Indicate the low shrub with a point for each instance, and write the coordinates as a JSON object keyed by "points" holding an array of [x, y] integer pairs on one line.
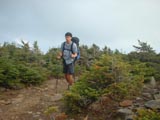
{"points": [[108, 75], [147, 114]]}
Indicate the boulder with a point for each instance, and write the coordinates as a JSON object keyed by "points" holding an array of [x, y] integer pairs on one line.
{"points": [[156, 96], [129, 117], [147, 96], [124, 113], [153, 104]]}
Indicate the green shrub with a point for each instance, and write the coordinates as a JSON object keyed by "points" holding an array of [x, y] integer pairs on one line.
{"points": [[29, 75], [8, 73], [56, 70], [147, 114], [14, 74], [101, 78], [125, 89]]}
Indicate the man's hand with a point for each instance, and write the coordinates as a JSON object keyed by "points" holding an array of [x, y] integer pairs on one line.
{"points": [[74, 55], [59, 55]]}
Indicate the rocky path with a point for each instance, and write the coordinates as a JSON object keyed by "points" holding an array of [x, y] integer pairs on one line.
{"points": [[30, 103]]}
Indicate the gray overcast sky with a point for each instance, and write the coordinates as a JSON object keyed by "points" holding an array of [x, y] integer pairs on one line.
{"points": [[114, 23]]}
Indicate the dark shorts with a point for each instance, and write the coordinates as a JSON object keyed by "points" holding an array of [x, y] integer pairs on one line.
{"points": [[68, 68]]}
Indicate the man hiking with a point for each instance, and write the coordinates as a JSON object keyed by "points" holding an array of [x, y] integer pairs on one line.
{"points": [[68, 54]]}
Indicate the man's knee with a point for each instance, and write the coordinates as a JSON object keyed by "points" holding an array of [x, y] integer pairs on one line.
{"points": [[68, 76]]}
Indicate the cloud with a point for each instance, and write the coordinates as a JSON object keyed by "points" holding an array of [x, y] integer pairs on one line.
{"points": [[117, 24]]}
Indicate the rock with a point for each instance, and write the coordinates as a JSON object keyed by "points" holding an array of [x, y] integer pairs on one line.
{"points": [[125, 111], [129, 117], [153, 104], [149, 89], [155, 91], [7, 102], [147, 95], [29, 112], [45, 89], [125, 103], [138, 104], [138, 99], [156, 96], [57, 97], [53, 98], [153, 82], [38, 113], [35, 115]]}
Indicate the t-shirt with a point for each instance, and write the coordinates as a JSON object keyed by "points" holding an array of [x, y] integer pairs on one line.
{"points": [[67, 51]]}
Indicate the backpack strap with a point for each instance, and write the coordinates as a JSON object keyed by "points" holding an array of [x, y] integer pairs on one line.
{"points": [[72, 47]]}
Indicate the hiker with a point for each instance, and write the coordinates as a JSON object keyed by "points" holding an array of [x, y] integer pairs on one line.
{"points": [[68, 54]]}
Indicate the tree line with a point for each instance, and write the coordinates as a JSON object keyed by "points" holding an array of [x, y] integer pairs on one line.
{"points": [[22, 66]]}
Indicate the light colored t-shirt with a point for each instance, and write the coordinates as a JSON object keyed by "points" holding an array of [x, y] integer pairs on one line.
{"points": [[67, 51]]}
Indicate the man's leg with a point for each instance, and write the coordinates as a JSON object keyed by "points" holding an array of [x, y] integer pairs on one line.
{"points": [[69, 70], [65, 67], [70, 79], [66, 77]]}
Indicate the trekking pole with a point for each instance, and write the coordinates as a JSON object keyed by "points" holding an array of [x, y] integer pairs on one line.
{"points": [[56, 84], [56, 81], [57, 76], [74, 77]]}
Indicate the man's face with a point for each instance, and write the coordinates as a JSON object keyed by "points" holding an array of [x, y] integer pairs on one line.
{"points": [[68, 38]]}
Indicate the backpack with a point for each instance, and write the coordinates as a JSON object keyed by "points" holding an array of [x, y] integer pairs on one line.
{"points": [[76, 41]]}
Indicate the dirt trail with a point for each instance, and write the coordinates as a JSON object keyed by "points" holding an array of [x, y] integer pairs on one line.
{"points": [[30, 103]]}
